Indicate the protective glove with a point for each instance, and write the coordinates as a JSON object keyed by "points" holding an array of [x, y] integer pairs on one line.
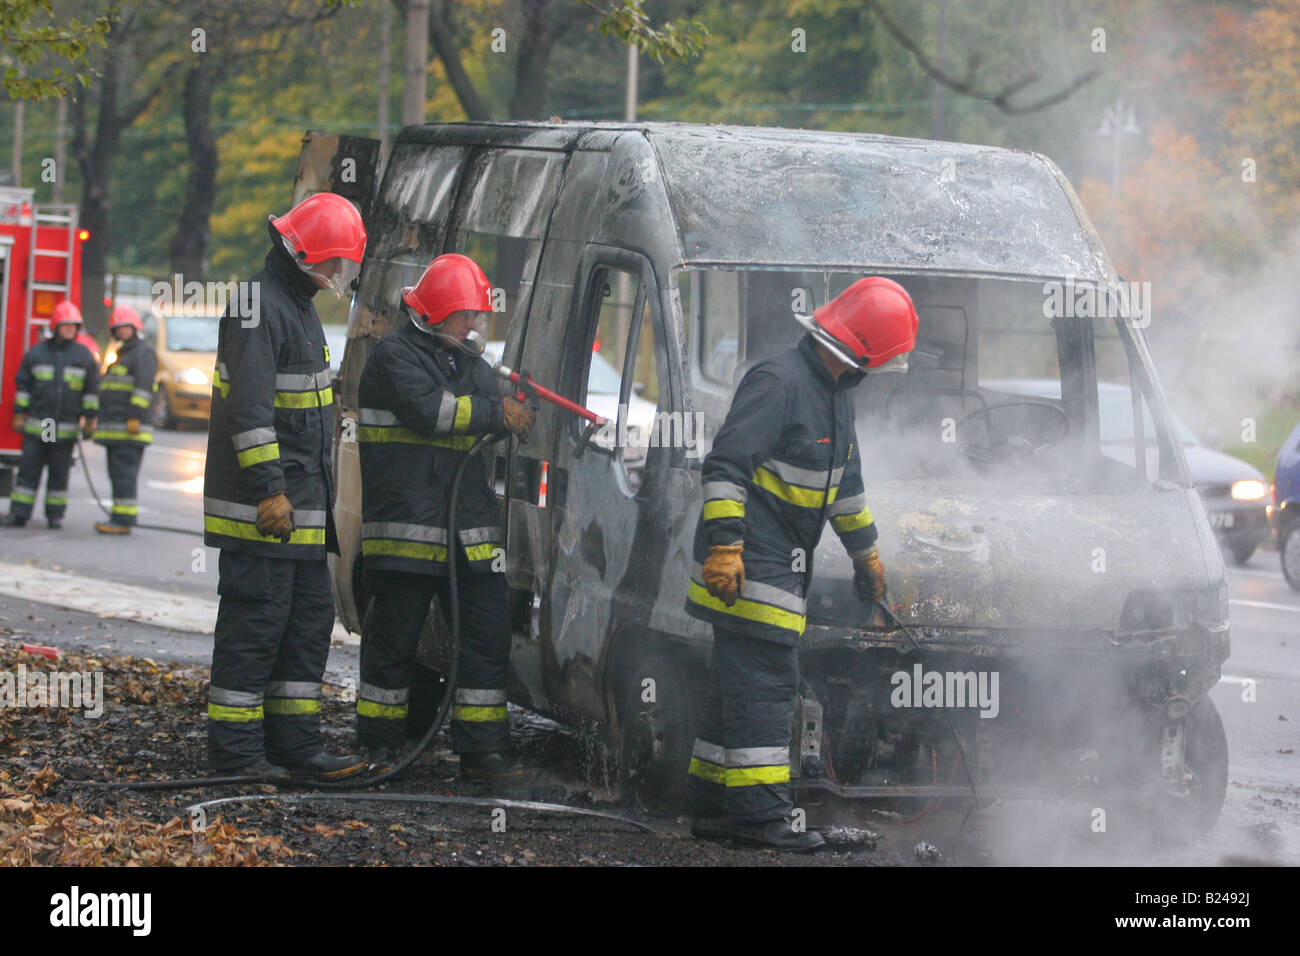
{"points": [[133, 426], [519, 417], [20, 419], [869, 576], [724, 572], [88, 428], [275, 517]]}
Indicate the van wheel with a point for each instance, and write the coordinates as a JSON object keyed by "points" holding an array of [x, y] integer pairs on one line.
{"points": [[657, 723], [162, 411], [1288, 549], [1241, 552], [1206, 757]]}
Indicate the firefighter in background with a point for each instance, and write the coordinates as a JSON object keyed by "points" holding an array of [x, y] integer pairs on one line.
{"points": [[425, 394], [58, 391], [126, 398], [268, 488], [785, 460]]}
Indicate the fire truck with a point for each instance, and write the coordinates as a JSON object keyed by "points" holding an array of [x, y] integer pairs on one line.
{"points": [[40, 266]]}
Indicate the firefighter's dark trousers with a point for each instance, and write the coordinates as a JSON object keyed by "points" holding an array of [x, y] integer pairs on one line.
{"points": [[740, 765], [38, 455], [123, 474], [390, 634], [271, 643]]}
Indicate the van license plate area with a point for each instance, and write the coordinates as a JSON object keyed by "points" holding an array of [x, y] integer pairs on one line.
{"points": [[1222, 519]]}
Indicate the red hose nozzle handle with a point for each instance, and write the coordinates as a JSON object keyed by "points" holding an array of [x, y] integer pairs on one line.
{"points": [[528, 385]]}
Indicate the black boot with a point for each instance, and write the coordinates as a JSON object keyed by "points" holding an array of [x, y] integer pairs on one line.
{"points": [[325, 766], [380, 759], [710, 828], [777, 835], [493, 766], [56, 524], [11, 520], [261, 768]]}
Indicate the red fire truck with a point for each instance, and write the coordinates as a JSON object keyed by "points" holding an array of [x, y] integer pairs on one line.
{"points": [[40, 266]]}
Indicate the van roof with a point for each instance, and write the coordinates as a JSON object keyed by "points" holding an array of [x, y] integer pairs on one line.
{"points": [[767, 196]]}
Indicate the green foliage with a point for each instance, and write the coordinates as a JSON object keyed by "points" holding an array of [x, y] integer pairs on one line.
{"points": [[31, 44], [676, 40]]}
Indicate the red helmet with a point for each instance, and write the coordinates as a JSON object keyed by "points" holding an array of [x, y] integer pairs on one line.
{"points": [[325, 236], [323, 226], [451, 283], [65, 312], [868, 324], [125, 315]]}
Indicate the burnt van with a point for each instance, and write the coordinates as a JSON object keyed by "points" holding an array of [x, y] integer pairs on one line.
{"points": [[1059, 606]]}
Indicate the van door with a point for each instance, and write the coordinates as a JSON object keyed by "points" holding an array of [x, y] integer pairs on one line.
{"points": [[605, 492], [347, 165]]}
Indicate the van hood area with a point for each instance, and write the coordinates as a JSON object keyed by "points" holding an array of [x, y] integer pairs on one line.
{"points": [[958, 556]]}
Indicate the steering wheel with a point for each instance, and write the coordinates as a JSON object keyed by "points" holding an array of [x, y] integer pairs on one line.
{"points": [[1010, 447]]}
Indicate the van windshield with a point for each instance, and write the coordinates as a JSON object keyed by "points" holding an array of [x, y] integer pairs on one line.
{"points": [[1003, 382]]}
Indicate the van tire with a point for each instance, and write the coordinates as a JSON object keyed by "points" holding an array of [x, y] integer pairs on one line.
{"points": [[1206, 756], [655, 737], [1288, 549], [1241, 552]]}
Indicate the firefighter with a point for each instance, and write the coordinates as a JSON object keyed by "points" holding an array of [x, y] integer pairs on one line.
{"points": [[124, 429], [425, 394], [785, 460], [58, 391], [268, 487]]}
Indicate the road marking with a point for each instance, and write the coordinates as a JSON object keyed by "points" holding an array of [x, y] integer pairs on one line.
{"points": [[1266, 604], [191, 486], [1276, 575], [112, 599]]}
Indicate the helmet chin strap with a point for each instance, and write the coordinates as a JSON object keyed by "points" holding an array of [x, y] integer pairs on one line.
{"points": [[472, 344]]}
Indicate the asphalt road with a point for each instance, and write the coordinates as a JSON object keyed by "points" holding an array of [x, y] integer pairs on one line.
{"points": [[1258, 698]]}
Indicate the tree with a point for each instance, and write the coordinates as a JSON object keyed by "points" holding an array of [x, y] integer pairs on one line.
{"points": [[32, 44]]}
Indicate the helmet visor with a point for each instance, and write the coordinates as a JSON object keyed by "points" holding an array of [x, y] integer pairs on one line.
{"points": [[896, 364], [466, 331], [337, 274]]}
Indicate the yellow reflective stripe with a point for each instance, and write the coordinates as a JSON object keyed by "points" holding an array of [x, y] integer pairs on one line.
{"points": [[247, 530], [143, 436], [259, 454], [385, 433], [464, 407], [749, 776], [722, 508], [324, 396], [481, 552], [749, 610], [368, 708], [292, 706], [140, 401], [707, 771], [404, 549], [114, 385], [218, 384], [478, 714], [126, 509], [238, 715], [794, 494], [853, 522]]}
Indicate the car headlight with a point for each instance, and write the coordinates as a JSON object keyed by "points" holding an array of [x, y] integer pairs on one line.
{"points": [[192, 376], [1248, 490]]}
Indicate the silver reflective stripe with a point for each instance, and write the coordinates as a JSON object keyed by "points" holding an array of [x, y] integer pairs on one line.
{"points": [[376, 416], [324, 378], [22, 396], [404, 532], [758, 591], [758, 756], [707, 751], [223, 372], [479, 535], [292, 382], [382, 695], [308, 519], [446, 412], [854, 555], [43, 370], [794, 475], [74, 372], [229, 509], [124, 502], [254, 436], [233, 698], [103, 425], [715, 490], [142, 393], [847, 506], [480, 698], [24, 490], [293, 688]]}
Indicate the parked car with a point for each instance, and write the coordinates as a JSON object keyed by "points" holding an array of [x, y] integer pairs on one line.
{"points": [[1015, 542], [186, 343], [1233, 491], [1284, 512]]}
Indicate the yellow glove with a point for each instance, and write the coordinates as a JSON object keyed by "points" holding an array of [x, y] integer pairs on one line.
{"points": [[519, 417], [724, 572], [133, 426], [869, 575], [275, 517]]}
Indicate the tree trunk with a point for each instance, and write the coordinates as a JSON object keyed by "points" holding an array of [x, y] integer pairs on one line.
{"points": [[535, 43], [189, 246], [95, 161]]}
